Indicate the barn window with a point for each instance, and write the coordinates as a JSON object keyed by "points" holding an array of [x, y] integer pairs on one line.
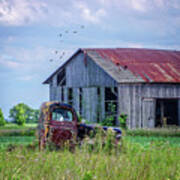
{"points": [[70, 96], [61, 78], [111, 101], [80, 100], [62, 94]]}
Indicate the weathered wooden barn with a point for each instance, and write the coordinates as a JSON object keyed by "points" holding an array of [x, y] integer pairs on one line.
{"points": [[142, 83]]}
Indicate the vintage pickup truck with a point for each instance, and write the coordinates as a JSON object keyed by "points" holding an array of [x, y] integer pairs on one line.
{"points": [[58, 123]]}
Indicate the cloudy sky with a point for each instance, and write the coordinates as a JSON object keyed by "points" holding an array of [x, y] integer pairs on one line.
{"points": [[36, 36]]}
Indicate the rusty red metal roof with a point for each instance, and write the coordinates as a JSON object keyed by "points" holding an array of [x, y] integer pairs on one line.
{"points": [[159, 66]]}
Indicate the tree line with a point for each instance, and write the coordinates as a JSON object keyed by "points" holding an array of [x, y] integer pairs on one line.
{"points": [[21, 114]]}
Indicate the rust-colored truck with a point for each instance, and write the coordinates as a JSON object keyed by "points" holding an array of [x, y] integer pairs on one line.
{"points": [[58, 123]]}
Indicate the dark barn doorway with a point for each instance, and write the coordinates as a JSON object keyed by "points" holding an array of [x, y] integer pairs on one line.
{"points": [[166, 112], [111, 103]]}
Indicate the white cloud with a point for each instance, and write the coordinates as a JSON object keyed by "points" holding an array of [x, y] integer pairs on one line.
{"points": [[63, 12], [139, 5], [19, 12], [9, 63], [88, 14]]}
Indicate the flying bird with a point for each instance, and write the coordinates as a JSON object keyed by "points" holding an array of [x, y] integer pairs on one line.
{"points": [[60, 35], [56, 52], [51, 60], [82, 27], [74, 32]]}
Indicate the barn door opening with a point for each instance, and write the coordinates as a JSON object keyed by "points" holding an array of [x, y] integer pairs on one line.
{"points": [[111, 103], [166, 112]]}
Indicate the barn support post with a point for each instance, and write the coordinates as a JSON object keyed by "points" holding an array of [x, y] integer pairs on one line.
{"points": [[162, 111], [93, 99], [124, 105], [179, 112], [102, 105], [50, 92], [58, 93], [76, 99], [118, 113], [65, 94], [85, 104]]}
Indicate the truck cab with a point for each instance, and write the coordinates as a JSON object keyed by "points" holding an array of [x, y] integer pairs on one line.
{"points": [[57, 123]]}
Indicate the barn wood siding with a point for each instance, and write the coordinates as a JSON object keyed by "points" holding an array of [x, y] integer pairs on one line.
{"points": [[83, 72], [132, 101]]}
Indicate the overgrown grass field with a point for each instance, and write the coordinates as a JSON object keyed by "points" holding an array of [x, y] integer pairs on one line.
{"points": [[143, 157], [158, 161]]}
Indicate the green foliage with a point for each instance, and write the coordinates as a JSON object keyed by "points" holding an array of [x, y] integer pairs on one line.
{"points": [[166, 132], [146, 141], [2, 120], [123, 120], [17, 113], [22, 113], [110, 119], [12, 126], [18, 132], [32, 115], [80, 118]]}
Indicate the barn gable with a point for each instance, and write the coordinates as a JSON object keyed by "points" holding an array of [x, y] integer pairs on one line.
{"points": [[82, 71]]}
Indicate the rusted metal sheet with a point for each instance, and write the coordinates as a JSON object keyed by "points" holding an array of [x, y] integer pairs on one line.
{"points": [[161, 66]]}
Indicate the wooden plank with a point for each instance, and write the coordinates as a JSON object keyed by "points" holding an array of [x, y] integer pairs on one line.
{"points": [[85, 104], [65, 94], [58, 93], [179, 112], [102, 103], [93, 100], [124, 102], [148, 113], [76, 99]]}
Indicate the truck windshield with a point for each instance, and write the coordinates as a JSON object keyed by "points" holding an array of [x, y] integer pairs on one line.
{"points": [[60, 115]]}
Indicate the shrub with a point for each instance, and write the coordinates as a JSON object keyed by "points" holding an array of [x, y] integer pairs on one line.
{"points": [[108, 121], [123, 120], [18, 114], [2, 120]]}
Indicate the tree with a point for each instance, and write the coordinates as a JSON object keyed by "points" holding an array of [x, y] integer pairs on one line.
{"points": [[2, 120], [30, 115], [18, 114]]}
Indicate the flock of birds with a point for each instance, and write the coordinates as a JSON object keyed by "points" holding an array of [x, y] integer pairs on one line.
{"points": [[60, 35]]}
